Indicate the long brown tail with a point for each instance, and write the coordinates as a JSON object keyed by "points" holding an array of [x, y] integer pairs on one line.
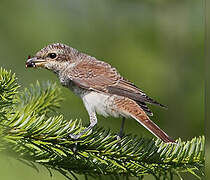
{"points": [[132, 109], [154, 129]]}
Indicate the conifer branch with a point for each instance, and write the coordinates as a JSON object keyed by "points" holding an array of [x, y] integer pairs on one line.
{"points": [[29, 132]]}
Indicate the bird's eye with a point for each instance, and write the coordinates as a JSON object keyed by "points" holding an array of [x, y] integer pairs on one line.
{"points": [[52, 55]]}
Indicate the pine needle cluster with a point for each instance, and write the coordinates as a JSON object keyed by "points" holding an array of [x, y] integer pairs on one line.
{"points": [[31, 132]]}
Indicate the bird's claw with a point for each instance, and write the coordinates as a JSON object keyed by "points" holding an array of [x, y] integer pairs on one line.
{"points": [[74, 136], [119, 137]]}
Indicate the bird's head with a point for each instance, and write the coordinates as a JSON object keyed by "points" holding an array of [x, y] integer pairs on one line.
{"points": [[53, 57]]}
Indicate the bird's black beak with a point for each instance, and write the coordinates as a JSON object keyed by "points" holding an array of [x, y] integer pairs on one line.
{"points": [[35, 62]]}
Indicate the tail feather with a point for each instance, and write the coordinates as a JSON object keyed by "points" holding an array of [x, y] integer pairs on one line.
{"points": [[132, 109], [154, 129]]}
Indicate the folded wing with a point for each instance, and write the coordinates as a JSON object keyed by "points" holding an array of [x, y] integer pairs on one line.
{"points": [[96, 75]]}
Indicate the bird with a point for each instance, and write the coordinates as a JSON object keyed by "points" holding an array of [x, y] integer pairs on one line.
{"points": [[100, 86]]}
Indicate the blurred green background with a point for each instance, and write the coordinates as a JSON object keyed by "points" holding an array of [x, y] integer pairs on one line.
{"points": [[158, 45]]}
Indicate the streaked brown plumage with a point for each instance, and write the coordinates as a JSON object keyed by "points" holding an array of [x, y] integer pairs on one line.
{"points": [[101, 87]]}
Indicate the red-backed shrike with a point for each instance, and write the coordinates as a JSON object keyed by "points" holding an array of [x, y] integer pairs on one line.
{"points": [[102, 89]]}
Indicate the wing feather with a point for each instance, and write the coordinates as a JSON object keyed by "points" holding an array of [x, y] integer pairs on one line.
{"points": [[131, 91], [97, 75]]}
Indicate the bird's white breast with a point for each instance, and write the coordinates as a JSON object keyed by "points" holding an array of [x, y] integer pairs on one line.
{"points": [[101, 103]]}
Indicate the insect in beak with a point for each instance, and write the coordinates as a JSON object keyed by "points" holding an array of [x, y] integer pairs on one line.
{"points": [[34, 62]]}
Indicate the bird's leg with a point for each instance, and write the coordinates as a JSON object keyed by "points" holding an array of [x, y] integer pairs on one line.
{"points": [[120, 134], [93, 122]]}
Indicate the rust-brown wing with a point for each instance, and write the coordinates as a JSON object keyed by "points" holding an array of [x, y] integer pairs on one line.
{"points": [[94, 75], [100, 76], [128, 89]]}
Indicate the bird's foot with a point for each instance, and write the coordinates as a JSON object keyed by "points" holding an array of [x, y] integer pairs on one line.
{"points": [[77, 136], [74, 136], [120, 134], [119, 137]]}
